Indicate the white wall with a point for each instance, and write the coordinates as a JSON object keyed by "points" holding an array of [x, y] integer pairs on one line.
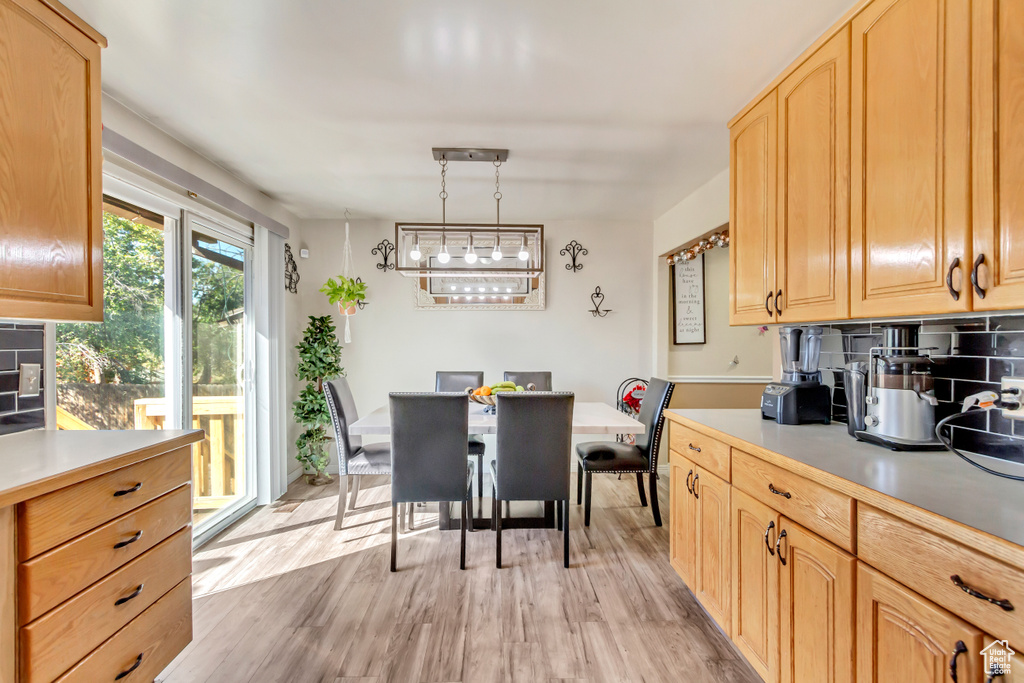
{"points": [[398, 348], [707, 208]]}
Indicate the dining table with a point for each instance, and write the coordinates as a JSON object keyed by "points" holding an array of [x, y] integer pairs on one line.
{"points": [[588, 418]]}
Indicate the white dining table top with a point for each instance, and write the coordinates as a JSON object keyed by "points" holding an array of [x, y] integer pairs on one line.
{"points": [[587, 418]]}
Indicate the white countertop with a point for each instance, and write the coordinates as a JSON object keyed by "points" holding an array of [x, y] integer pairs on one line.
{"points": [[38, 461], [587, 418], [939, 482]]}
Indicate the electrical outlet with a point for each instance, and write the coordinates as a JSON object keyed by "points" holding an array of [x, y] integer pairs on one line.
{"points": [[28, 383], [1008, 383]]}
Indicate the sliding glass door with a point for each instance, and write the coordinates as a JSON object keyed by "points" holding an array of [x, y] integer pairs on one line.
{"points": [[219, 390]]}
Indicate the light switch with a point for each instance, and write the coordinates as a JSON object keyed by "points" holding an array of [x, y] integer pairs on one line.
{"points": [[29, 383]]}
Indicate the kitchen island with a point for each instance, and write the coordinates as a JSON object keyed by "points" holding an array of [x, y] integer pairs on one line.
{"points": [[95, 553], [800, 539]]}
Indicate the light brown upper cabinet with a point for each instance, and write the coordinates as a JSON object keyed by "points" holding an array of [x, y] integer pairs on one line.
{"points": [[998, 128], [813, 223], [752, 197], [910, 181], [51, 252]]}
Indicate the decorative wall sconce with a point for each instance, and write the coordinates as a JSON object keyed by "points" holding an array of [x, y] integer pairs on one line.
{"points": [[598, 298], [361, 304], [385, 249], [291, 271], [573, 250]]}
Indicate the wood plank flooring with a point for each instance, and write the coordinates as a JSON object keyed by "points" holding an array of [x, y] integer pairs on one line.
{"points": [[281, 596]]}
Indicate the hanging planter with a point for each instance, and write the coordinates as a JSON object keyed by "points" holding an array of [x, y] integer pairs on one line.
{"points": [[346, 291]]}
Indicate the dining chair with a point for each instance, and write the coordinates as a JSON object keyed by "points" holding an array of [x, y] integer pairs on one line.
{"points": [[531, 460], [460, 381], [541, 381], [429, 456], [354, 459], [640, 457]]}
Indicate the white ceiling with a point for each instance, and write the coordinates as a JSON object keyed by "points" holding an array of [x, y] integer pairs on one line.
{"points": [[611, 109]]}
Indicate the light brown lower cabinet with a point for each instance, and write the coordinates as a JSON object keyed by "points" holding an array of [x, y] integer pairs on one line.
{"points": [[682, 519], [903, 638], [792, 598], [714, 550]]}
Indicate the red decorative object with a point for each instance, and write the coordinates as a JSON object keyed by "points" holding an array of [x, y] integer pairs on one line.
{"points": [[632, 401]]}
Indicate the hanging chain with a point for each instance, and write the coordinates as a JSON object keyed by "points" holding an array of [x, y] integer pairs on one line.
{"points": [[443, 194], [497, 190]]}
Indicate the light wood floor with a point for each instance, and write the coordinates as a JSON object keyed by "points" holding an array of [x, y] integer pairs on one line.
{"points": [[281, 596]]}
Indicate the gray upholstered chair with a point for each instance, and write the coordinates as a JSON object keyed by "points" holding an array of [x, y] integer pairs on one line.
{"points": [[532, 458], [354, 459], [459, 382], [625, 458], [429, 455], [541, 381]]}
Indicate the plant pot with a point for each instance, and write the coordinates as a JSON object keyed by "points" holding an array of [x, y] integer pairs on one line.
{"points": [[319, 478], [347, 308]]}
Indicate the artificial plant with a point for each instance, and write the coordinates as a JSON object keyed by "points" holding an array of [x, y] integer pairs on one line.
{"points": [[319, 360], [344, 291]]}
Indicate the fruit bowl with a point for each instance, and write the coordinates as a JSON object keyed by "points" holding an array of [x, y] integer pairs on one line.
{"points": [[486, 400]]}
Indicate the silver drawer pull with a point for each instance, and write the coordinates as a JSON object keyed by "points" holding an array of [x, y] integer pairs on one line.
{"points": [[694, 448]]}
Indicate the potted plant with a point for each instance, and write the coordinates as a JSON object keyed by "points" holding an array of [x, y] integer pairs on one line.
{"points": [[319, 359], [345, 292]]}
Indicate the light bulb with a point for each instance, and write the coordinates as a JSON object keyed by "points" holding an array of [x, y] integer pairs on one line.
{"points": [[523, 254], [416, 254], [470, 251], [496, 254], [444, 256]]}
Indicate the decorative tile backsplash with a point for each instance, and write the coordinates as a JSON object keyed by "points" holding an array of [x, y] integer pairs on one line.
{"points": [[19, 343], [971, 355]]}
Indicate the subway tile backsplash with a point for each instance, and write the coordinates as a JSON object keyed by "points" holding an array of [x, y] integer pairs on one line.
{"points": [[19, 343], [970, 354]]}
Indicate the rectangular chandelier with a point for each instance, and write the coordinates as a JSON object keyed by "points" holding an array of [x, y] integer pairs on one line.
{"points": [[433, 250]]}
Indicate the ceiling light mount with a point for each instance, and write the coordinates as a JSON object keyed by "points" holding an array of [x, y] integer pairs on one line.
{"points": [[470, 154]]}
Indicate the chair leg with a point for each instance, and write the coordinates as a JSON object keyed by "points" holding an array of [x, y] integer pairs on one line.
{"points": [[412, 507], [497, 535], [480, 483], [558, 514], [494, 508], [654, 499], [640, 488], [579, 483], [355, 490], [465, 522], [339, 521], [394, 537], [586, 502], [565, 529]]}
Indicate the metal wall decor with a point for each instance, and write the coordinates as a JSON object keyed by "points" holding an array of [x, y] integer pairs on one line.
{"points": [[385, 249], [598, 298], [361, 304], [574, 249], [291, 271]]}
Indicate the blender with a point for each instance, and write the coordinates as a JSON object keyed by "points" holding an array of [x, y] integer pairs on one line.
{"points": [[800, 397]]}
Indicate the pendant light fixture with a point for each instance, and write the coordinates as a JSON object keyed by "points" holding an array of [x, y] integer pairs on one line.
{"points": [[428, 250]]}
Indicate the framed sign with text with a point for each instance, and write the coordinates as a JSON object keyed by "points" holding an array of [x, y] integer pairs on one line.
{"points": [[688, 302]]}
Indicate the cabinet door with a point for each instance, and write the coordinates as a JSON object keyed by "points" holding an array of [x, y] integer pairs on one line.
{"points": [[752, 197], [714, 551], [910, 126], [755, 584], [903, 638], [51, 251], [683, 519], [813, 230], [998, 129], [998, 665], [817, 583]]}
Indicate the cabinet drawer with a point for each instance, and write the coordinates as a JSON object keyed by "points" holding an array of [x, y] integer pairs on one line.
{"points": [[825, 512], [148, 643], [709, 453], [926, 562], [53, 577], [47, 521], [58, 639]]}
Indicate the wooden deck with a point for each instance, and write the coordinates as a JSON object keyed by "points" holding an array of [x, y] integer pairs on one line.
{"points": [[280, 596]]}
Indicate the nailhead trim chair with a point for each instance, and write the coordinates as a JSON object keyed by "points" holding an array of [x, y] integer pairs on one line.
{"points": [[624, 458]]}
